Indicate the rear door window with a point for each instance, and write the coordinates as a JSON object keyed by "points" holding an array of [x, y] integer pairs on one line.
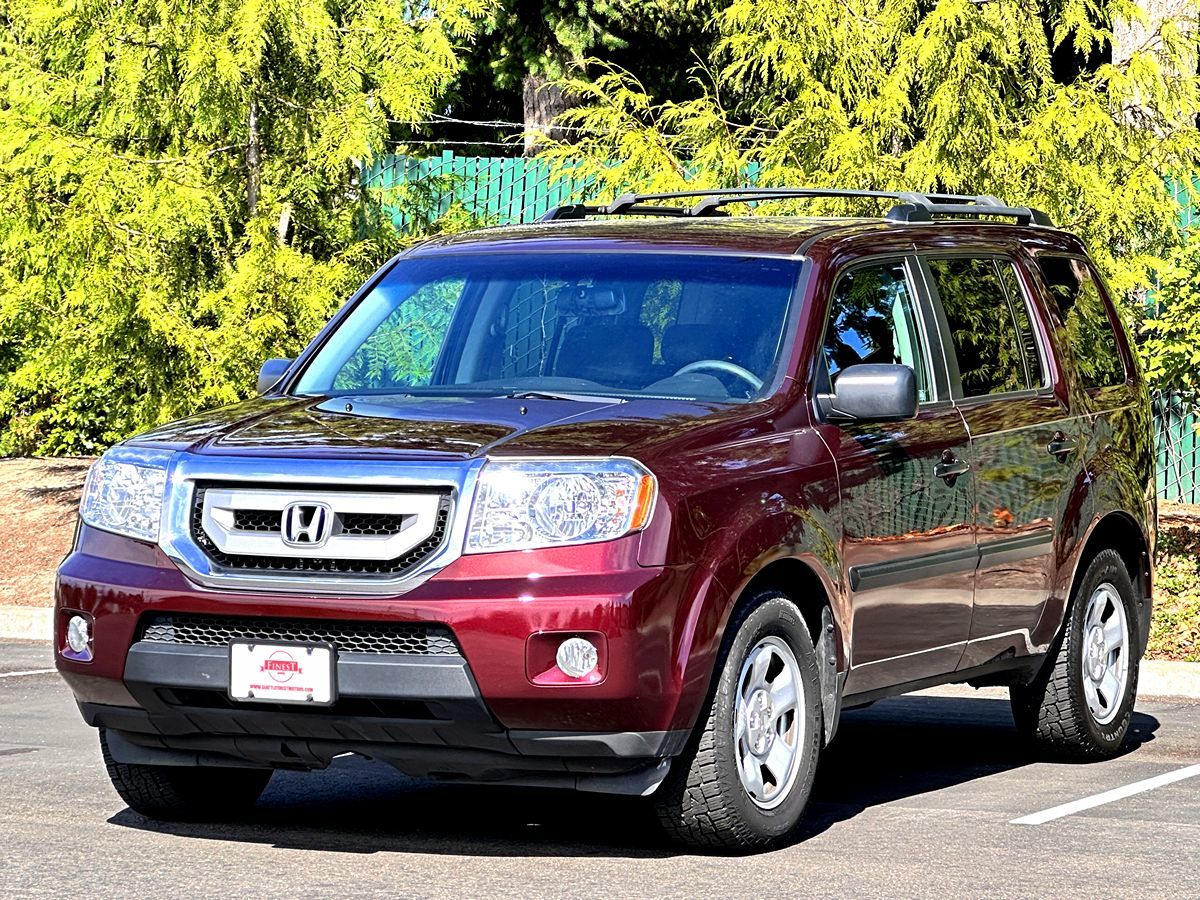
{"points": [[873, 319], [1086, 325], [988, 319]]}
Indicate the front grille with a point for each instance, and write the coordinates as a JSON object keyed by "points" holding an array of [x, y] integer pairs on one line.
{"points": [[257, 520], [349, 637], [371, 523], [362, 523], [365, 524]]}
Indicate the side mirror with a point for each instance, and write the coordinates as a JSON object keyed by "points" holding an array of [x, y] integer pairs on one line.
{"points": [[270, 373], [874, 392]]}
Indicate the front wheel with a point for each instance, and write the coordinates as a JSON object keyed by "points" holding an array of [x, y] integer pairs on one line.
{"points": [[185, 793], [1080, 705], [744, 779]]}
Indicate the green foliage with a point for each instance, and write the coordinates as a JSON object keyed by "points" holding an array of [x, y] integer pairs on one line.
{"points": [[940, 95], [179, 193], [660, 309], [543, 37], [403, 348], [1171, 338], [526, 42], [1085, 323], [990, 344], [1175, 629]]}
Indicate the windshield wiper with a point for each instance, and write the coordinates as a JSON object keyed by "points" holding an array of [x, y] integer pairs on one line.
{"points": [[555, 395]]}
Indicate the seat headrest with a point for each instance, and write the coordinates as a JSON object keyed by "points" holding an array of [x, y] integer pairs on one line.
{"points": [[683, 344], [591, 301], [607, 352]]}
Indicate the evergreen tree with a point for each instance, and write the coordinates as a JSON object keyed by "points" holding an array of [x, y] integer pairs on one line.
{"points": [[179, 193], [527, 46]]}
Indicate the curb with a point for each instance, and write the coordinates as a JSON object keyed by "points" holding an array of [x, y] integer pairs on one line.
{"points": [[28, 623], [1161, 678]]}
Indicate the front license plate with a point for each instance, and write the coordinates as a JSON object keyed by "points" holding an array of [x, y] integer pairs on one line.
{"points": [[281, 673]]}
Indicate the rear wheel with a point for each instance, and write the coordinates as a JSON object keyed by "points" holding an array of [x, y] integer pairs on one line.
{"points": [[744, 779], [1081, 703], [185, 793]]}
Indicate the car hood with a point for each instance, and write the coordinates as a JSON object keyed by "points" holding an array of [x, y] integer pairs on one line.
{"points": [[430, 427]]}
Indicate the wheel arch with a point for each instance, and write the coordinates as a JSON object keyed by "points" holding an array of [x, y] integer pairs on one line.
{"points": [[804, 587], [803, 584], [1117, 531]]}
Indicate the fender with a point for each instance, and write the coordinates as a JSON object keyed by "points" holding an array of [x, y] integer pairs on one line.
{"points": [[791, 540], [1118, 528]]}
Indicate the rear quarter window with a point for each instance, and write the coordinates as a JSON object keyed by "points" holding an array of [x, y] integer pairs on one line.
{"points": [[1087, 328]]}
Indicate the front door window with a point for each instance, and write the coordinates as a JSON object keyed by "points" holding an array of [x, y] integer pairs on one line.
{"points": [[873, 320]]}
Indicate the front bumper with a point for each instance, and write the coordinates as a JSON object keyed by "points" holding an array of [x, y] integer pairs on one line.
{"points": [[422, 714], [477, 714]]}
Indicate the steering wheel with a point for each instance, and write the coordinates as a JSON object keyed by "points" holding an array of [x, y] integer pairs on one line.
{"points": [[723, 365]]}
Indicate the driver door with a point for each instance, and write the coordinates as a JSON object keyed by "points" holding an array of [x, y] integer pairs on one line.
{"points": [[908, 546]]}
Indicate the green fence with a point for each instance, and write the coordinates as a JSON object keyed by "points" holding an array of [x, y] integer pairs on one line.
{"points": [[498, 190], [1178, 449], [504, 190]]}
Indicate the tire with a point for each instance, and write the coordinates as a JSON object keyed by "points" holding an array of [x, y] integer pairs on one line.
{"points": [[185, 793], [1080, 704], [704, 802]]}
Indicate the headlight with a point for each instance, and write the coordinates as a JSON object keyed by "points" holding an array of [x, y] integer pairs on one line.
{"points": [[524, 504], [124, 492]]}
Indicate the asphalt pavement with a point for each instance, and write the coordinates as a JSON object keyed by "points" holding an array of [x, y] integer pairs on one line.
{"points": [[917, 797]]}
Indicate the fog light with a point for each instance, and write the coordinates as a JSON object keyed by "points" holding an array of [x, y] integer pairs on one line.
{"points": [[577, 657], [79, 634]]}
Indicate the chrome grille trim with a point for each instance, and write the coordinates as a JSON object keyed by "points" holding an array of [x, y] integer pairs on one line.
{"points": [[452, 479], [330, 558], [215, 525]]}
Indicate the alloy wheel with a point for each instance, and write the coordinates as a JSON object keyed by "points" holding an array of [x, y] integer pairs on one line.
{"points": [[1105, 657], [768, 729]]}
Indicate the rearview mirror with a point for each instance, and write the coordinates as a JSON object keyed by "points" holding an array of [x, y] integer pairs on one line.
{"points": [[585, 300], [874, 392], [270, 373]]}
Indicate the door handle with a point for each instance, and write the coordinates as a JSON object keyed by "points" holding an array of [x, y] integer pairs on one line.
{"points": [[950, 467], [1061, 447]]}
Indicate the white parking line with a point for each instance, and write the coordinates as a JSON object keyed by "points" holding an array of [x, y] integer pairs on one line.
{"points": [[1067, 809], [30, 672]]}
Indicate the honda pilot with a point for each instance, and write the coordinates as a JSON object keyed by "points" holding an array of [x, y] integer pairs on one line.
{"points": [[638, 499]]}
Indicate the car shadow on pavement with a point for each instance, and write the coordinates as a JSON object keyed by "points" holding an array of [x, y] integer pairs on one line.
{"points": [[907, 746], [898, 749]]}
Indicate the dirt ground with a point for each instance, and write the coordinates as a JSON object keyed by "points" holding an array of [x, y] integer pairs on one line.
{"points": [[39, 498], [1171, 515]]}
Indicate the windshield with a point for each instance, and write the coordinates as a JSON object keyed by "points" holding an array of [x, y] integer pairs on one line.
{"points": [[698, 327]]}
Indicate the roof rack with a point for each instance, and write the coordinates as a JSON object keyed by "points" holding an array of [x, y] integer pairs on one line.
{"points": [[911, 206]]}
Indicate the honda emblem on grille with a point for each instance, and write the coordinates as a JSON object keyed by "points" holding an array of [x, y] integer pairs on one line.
{"points": [[306, 524]]}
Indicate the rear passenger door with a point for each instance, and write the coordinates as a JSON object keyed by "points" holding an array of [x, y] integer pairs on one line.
{"points": [[1025, 443], [908, 530], [1119, 454]]}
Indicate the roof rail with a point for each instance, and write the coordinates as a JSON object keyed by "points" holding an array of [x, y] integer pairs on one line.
{"points": [[911, 206]]}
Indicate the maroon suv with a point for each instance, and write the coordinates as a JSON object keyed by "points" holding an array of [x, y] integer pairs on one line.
{"points": [[636, 500]]}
